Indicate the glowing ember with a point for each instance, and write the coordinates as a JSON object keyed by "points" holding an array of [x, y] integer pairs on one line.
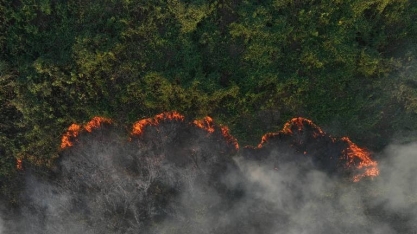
{"points": [[361, 160], [19, 165], [206, 124], [140, 125], [72, 132]]}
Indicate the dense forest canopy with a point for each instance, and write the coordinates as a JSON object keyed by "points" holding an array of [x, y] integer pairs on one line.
{"points": [[252, 65]]}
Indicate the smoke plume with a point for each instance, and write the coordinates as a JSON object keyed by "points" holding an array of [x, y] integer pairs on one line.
{"points": [[173, 176]]}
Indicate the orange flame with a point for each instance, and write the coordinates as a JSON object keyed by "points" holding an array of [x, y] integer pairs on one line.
{"points": [[366, 166], [19, 165], [95, 123], [293, 122], [357, 157], [266, 136], [72, 132], [206, 124], [229, 138], [75, 129], [300, 122], [140, 125]]}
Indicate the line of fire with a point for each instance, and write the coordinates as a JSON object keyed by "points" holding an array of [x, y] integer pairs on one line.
{"points": [[300, 137]]}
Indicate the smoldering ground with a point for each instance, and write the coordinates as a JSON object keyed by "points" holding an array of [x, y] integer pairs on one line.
{"points": [[177, 178]]}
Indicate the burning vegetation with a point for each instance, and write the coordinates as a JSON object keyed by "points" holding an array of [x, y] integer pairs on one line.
{"points": [[300, 135], [95, 123], [360, 159], [68, 137], [139, 126], [173, 172], [206, 123], [75, 129], [304, 138]]}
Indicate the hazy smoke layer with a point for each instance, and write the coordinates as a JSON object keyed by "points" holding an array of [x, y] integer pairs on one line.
{"points": [[397, 185], [177, 178], [1, 226]]}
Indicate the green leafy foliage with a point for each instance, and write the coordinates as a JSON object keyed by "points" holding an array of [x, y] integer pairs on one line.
{"points": [[348, 65]]}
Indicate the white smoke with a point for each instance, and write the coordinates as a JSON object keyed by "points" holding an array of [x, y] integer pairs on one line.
{"points": [[397, 184], [304, 200], [1, 226], [108, 186]]}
